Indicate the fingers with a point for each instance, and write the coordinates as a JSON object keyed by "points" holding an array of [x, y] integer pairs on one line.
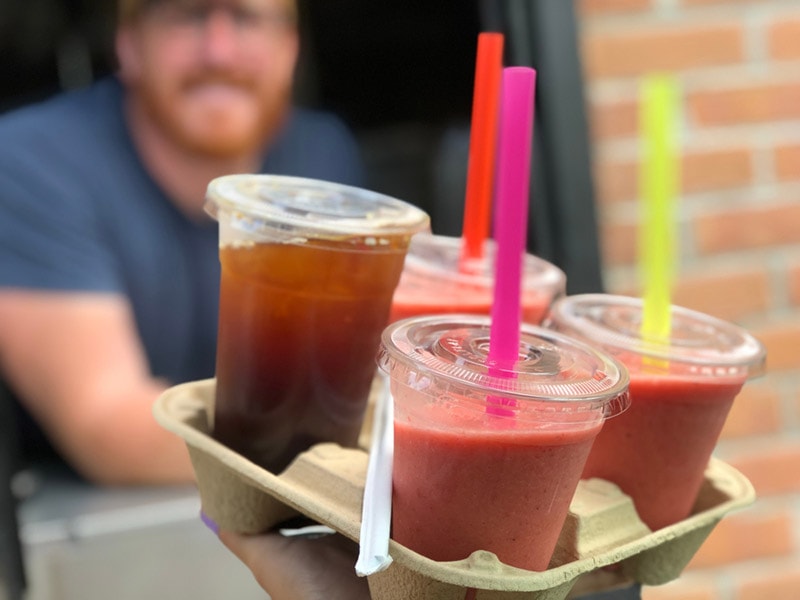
{"points": [[298, 568], [262, 555]]}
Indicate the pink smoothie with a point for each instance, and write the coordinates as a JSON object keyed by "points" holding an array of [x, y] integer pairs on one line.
{"points": [[658, 450], [418, 294], [503, 486], [436, 281]]}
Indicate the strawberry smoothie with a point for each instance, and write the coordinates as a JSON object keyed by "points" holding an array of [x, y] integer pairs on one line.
{"points": [[681, 388], [467, 477], [677, 419], [434, 281], [520, 485]]}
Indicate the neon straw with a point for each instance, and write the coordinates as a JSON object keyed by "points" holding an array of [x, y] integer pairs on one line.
{"points": [[511, 219], [659, 181], [482, 142]]}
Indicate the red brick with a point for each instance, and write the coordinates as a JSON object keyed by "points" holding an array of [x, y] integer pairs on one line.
{"points": [[616, 181], [700, 171], [782, 341], [626, 53], [725, 295], [787, 162], [769, 102], [617, 119], [618, 243], [748, 228], [772, 469], [796, 408], [746, 535], [681, 589], [776, 584], [784, 39], [794, 285], [710, 2], [717, 170], [594, 7], [756, 411]]}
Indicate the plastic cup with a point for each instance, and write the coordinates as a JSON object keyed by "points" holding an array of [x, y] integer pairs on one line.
{"points": [[308, 272], [682, 389], [434, 281], [486, 461]]}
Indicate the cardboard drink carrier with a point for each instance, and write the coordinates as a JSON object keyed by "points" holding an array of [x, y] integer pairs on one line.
{"points": [[603, 543]]}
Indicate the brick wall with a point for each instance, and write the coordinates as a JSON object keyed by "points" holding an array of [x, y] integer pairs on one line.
{"points": [[738, 63]]}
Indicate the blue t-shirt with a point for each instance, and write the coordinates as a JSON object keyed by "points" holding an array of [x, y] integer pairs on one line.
{"points": [[79, 212]]}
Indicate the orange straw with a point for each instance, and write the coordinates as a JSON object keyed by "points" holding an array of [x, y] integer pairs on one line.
{"points": [[482, 142]]}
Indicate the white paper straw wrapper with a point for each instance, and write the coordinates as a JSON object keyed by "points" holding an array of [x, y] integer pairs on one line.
{"points": [[376, 512]]}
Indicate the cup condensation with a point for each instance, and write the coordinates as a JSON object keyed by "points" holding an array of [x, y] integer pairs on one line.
{"points": [[308, 272], [436, 281], [682, 389], [487, 459]]}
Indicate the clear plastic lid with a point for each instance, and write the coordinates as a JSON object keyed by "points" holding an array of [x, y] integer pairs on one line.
{"points": [[311, 207], [698, 343], [451, 352], [440, 256]]}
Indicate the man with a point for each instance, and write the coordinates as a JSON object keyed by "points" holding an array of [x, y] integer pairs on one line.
{"points": [[108, 264]]}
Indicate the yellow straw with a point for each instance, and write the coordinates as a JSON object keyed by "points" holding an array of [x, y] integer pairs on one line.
{"points": [[659, 184]]}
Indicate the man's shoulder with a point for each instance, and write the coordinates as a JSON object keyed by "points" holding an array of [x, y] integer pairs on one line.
{"points": [[316, 144], [308, 120], [62, 141], [68, 146], [72, 113]]}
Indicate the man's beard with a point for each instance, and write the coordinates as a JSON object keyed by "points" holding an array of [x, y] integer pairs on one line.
{"points": [[221, 134]]}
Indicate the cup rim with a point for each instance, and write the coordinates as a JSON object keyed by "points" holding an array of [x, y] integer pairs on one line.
{"points": [[705, 346], [539, 274], [556, 374], [311, 207]]}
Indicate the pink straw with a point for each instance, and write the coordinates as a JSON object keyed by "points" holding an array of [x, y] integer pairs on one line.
{"points": [[511, 213]]}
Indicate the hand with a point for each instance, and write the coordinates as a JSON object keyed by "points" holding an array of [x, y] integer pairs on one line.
{"points": [[301, 568]]}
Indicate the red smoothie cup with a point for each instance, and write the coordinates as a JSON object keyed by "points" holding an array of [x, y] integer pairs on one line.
{"points": [[682, 389], [308, 272], [436, 281], [487, 459]]}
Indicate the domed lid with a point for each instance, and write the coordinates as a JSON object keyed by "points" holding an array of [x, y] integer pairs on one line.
{"points": [[451, 351], [699, 343], [311, 207]]}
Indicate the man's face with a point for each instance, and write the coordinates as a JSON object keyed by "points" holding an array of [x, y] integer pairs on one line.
{"points": [[215, 75]]}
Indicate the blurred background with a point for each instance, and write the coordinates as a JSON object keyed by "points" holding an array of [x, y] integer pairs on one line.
{"points": [[738, 63], [400, 74]]}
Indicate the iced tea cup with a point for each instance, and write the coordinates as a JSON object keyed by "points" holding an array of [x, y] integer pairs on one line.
{"points": [[682, 389], [308, 272], [435, 281], [488, 458]]}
